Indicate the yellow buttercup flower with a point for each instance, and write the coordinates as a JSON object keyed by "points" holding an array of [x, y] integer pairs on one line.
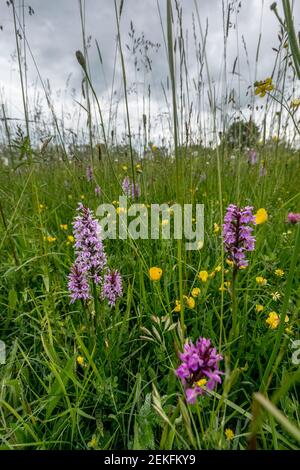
{"points": [[273, 320], [124, 168], [216, 228], [70, 239], [155, 273], [229, 434], [261, 281], [230, 262], [203, 276], [259, 308], [63, 226], [279, 272], [80, 360], [263, 86], [50, 239], [261, 216], [195, 292], [201, 382], [177, 306], [82, 196], [120, 210], [190, 301]]}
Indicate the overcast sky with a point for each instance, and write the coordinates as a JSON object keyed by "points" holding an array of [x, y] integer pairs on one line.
{"points": [[54, 34]]}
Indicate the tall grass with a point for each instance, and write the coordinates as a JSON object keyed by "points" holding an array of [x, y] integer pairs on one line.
{"points": [[86, 376]]}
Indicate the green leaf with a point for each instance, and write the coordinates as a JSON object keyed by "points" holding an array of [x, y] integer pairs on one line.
{"points": [[12, 299]]}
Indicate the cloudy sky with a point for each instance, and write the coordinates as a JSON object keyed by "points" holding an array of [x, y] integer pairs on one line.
{"points": [[53, 32]]}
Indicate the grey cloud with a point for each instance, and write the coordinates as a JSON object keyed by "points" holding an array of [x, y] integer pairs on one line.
{"points": [[54, 34]]}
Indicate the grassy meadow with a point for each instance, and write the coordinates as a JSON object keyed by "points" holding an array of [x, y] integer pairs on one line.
{"points": [[89, 375]]}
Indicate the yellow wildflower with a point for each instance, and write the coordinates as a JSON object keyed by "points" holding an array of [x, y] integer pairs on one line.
{"points": [[273, 320], [216, 228], [124, 168], [295, 103], [155, 273], [63, 226], [93, 443], [230, 262], [201, 382], [263, 86], [229, 434], [195, 292], [82, 196], [261, 281], [177, 306], [261, 216], [70, 239], [50, 239], [120, 210], [203, 276], [190, 301], [279, 272], [259, 308], [224, 286], [80, 360]]}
